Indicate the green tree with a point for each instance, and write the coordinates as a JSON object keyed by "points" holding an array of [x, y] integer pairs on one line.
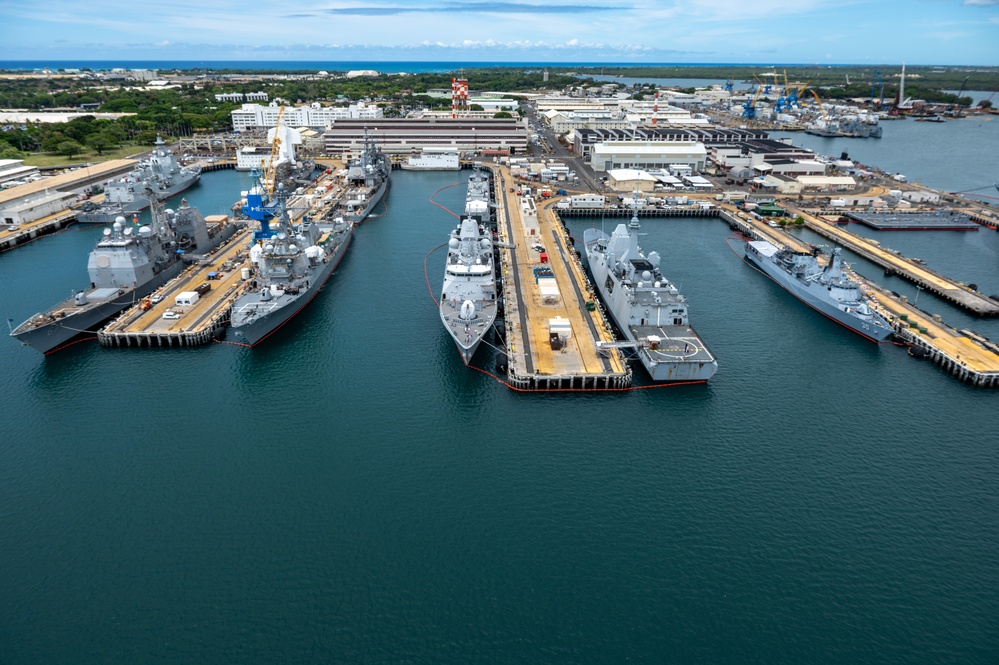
{"points": [[502, 114], [70, 148], [51, 142], [147, 136], [101, 142], [8, 151]]}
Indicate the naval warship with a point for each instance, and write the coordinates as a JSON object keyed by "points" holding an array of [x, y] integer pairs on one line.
{"points": [[827, 290], [128, 263], [478, 200], [290, 266], [468, 304], [367, 182], [646, 307], [129, 194]]}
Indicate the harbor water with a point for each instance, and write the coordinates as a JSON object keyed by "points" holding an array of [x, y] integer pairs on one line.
{"points": [[350, 492]]}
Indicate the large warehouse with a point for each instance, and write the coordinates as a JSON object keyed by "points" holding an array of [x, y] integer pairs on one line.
{"points": [[647, 155], [403, 135]]}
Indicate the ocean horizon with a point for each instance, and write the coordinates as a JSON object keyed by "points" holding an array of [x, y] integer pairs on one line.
{"points": [[389, 66]]}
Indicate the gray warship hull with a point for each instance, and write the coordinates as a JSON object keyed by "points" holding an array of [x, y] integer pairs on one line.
{"points": [[283, 308], [652, 315], [70, 321], [358, 214], [107, 212], [48, 332], [816, 295]]}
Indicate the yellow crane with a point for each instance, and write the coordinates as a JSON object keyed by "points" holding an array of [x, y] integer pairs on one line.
{"points": [[270, 169], [819, 102]]}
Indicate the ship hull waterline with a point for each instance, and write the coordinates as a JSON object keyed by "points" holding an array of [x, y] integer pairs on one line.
{"points": [[872, 334], [262, 328]]}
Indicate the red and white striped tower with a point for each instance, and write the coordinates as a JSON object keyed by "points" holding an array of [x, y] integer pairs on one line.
{"points": [[459, 97], [655, 109]]}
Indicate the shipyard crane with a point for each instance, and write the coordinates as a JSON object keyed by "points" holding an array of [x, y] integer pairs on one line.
{"points": [[825, 118], [270, 170], [879, 85], [955, 108], [730, 83], [749, 108]]}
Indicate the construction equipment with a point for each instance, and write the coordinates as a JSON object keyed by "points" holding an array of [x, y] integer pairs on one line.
{"points": [[818, 101], [749, 108], [879, 85], [270, 169]]}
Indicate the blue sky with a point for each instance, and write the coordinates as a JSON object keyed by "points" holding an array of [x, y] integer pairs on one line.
{"points": [[959, 32]]}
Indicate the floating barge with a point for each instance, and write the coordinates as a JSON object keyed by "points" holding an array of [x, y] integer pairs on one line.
{"points": [[915, 221]]}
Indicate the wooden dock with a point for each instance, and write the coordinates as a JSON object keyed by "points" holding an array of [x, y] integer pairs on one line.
{"points": [[893, 263], [533, 313], [144, 324]]}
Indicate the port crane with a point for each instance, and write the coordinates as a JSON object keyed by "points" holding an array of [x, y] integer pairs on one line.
{"points": [[749, 108], [879, 85], [954, 109], [825, 117]]}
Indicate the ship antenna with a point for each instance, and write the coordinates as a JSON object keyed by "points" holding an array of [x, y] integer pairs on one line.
{"points": [[634, 224]]}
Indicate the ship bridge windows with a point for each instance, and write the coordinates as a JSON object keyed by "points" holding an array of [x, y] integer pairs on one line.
{"points": [[642, 264]]}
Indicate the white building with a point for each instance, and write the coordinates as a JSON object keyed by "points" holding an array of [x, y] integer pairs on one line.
{"points": [[647, 155], [630, 180], [314, 115], [14, 171]]}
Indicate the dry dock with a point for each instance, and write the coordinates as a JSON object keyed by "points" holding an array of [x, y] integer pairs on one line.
{"points": [[144, 325], [959, 294], [550, 303]]}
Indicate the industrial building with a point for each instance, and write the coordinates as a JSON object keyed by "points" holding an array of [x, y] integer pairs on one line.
{"points": [[403, 135], [647, 155], [583, 140], [240, 97], [13, 172], [315, 115]]}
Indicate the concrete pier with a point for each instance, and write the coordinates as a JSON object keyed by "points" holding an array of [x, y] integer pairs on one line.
{"points": [[894, 263], [144, 325], [553, 318], [967, 355], [11, 238]]}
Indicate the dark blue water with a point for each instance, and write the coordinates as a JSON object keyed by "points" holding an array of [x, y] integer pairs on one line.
{"points": [[350, 492]]}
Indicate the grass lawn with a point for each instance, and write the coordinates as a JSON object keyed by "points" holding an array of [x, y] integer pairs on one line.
{"points": [[43, 159]]}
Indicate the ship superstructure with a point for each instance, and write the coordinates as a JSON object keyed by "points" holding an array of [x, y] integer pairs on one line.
{"points": [[646, 307], [128, 263], [827, 290]]}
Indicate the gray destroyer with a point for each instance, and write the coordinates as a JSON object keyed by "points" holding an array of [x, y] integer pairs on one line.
{"points": [[129, 194], [290, 266], [128, 263], [478, 198], [646, 307], [828, 290], [468, 304], [367, 182]]}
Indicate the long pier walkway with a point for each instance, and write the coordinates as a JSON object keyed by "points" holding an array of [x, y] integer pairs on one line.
{"points": [[965, 354], [535, 311], [144, 325], [946, 288]]}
